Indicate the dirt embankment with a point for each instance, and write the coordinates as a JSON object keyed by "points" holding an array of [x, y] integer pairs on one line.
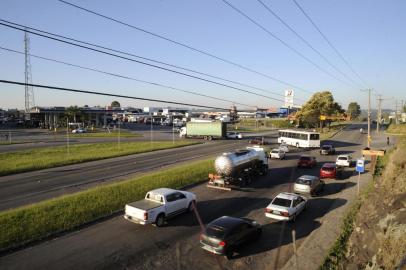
{"points": [[379, 237]]}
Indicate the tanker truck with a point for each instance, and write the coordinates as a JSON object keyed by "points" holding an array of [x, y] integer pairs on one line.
{"points": [[238, 168]]}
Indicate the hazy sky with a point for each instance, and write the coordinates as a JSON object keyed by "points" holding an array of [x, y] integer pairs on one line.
{"points": [[371, 35]]}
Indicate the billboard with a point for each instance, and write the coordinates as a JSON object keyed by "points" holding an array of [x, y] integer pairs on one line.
{"points": [[289, 98]]}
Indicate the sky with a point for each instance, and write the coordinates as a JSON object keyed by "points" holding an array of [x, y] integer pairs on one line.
{"points": [[370, 34]]}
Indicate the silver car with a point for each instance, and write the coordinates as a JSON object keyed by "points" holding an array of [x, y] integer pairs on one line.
{"points": [[308, 184]]}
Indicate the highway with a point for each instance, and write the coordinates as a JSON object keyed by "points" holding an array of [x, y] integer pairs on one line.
{"points": [[119, 244], [24, 188]]}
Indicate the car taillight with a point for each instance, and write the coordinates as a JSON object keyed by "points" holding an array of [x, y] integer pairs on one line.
{"points": [[268, 210], [285, 214], [222, 244], [145, 215]]}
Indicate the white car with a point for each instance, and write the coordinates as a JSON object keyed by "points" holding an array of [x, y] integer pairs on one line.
{"points": [[284, 147], [344, 160], [159, 205], [79, 130], [277, 153], [286, 206], [234, 135]]}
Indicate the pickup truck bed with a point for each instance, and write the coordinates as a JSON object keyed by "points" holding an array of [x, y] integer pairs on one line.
{"points": [[144, 204]]}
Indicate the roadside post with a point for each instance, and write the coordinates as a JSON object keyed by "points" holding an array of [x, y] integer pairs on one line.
{"points": [[360, 168]]}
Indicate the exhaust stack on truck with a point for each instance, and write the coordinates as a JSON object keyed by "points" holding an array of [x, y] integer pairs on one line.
{"points": [[238, 168]]}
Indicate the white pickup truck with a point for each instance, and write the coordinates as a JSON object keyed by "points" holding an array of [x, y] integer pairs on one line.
{"points": [[159, 205]]}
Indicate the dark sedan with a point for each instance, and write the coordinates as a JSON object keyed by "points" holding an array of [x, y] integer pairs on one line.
{"points": [[307, 161], [225, 234]]}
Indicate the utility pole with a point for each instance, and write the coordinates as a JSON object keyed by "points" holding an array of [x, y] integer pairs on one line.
{"points": [[378, 117], [29, 90], [396, 112], [369, 117]]}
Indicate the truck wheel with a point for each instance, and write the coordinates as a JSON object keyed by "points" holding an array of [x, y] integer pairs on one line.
{"points": [[160, 220], [210, 138]]}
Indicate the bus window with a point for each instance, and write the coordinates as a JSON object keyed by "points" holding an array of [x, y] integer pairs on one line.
{"points": [[314, 137]]}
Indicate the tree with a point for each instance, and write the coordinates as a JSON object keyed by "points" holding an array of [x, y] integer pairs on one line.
{"points": [[115, 104], [354, 110], [72, 111], [321, 103]]}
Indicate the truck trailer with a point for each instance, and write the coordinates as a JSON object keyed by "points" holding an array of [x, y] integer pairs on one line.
{"points": [[205, 130], [238, 168]]}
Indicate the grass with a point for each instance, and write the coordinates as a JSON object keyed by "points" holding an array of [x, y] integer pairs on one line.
{"points": [[327, 133], [48, 157], [260, 124], [339, 249], [35, 222], [394, 129]]}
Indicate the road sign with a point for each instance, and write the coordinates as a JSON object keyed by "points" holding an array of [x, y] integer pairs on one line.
{"points": [[323, 117], [360, 165]]}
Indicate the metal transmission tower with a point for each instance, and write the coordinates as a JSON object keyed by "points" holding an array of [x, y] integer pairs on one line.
{"points": [[29, 90]]}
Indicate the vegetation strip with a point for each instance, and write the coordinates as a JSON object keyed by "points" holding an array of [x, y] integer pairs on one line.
{"points": [[113, 134], [48, 157], [35, 222], [339, 249]]}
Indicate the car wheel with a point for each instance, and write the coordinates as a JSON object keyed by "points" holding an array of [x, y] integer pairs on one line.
{"points": [[229, 254], [191, 205], [160, 220]]}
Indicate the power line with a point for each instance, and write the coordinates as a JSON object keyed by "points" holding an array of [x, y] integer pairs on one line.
{"points": [[306, 42], [108, 94], [186, 46], [125, 77], [137, 61], [329, 43], [284, 43], [146, 58]]}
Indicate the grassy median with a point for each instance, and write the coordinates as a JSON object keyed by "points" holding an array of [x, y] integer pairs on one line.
{"points": [[37, 221], [48, 157], [112, 134]]}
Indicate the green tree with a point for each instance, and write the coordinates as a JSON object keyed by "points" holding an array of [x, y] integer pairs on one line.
{"points": [[321, 103], [116, 104], [354, 110], [72, 112]]}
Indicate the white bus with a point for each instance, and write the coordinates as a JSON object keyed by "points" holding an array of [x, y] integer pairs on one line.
{"points": [[304, 139]]}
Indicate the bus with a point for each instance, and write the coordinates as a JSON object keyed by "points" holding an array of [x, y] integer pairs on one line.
{"points": [[298, 138]]}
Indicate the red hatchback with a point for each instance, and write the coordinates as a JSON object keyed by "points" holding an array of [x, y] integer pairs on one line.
{"points": [[330, 170], [307, 161]]}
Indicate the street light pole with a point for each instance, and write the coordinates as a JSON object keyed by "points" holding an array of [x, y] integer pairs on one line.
{"points": [[369, 117]]}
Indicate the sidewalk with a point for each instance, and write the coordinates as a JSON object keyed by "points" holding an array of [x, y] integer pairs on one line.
{"points": [[315, 248]]}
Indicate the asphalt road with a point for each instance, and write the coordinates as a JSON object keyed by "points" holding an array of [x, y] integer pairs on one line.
{"points": [[30, 187], [119, 244]]}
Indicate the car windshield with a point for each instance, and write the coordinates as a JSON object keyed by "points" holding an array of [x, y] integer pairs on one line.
{"points": [[342, 158], [305, 158], [303, 181], [275, 151], [281, 202], [215, 231], [326, 147]]}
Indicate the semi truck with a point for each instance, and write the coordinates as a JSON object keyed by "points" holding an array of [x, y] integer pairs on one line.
{"points": [[205, 130], [238, 168]]}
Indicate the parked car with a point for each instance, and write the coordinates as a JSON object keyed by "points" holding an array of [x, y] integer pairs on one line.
{"points": [[308, 184], [277, 153], [258, 140], [159, 205], [225, 234], [234, 135], [331, 170], [307, 161], [344, 160], [327, 149], [284, 147], [286, 206]]}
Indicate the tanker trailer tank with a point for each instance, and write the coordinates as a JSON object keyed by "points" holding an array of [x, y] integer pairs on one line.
{"points": [[238, 168]]}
